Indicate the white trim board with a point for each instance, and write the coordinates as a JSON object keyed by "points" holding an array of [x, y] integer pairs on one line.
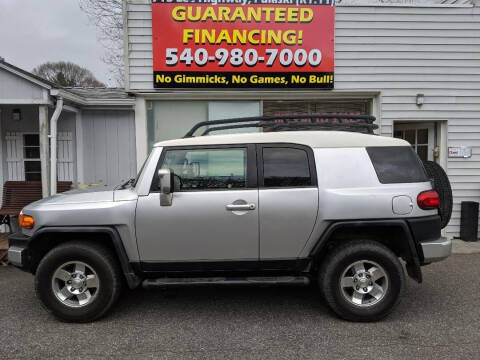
{"points": [[256, 95], [24, 102], [79, 147], [2, 180]]}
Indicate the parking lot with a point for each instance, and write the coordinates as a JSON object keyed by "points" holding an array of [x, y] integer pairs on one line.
{"points": [[439, 319]]}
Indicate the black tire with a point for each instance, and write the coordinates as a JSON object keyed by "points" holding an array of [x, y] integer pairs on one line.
{"points": [[97, 257], [441, 184], [340, 258]]}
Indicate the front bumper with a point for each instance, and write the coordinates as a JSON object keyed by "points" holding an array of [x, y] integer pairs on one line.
{"points": [[436, 250], [16, 256], [18, 250]]}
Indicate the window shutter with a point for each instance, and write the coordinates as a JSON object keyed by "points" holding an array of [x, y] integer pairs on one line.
{"points": [[65, 156], [15, 169]]}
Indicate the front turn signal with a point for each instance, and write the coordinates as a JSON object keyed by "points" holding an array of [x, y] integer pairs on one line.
{"points": [[26, 221]]}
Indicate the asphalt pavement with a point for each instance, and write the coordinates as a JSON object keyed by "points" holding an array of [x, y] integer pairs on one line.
{"points": [[439, 319]]}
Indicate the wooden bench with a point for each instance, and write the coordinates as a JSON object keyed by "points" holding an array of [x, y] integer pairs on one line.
{"points": [[18, 194]]}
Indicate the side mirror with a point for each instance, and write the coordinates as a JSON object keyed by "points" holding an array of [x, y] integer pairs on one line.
{"points": [[166, 186]]}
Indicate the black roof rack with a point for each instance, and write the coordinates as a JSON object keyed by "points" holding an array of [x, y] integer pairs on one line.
{"points": [[343, 122]]}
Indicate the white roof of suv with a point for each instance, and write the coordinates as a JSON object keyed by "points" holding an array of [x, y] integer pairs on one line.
{"points": [[313, 139]]}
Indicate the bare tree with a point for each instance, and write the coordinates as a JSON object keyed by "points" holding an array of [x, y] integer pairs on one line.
{"points": [[67, 74], [107, 15]]}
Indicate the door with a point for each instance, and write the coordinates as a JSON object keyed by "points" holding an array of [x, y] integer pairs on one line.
{"points": [[420, 135], [65, 156], [288, 198], [214, 211]]}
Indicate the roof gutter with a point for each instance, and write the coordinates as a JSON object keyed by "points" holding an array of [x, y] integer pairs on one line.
{"points": [[82, 101], [53, 145]]}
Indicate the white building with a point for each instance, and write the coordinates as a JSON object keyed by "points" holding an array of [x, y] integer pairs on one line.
{"points": [[96, 130], [413, 64]]}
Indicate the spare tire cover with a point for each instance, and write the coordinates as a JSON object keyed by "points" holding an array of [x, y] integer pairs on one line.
{"points": [[442, 185]]}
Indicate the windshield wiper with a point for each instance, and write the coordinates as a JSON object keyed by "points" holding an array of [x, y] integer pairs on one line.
{"points": [[125, 184]]}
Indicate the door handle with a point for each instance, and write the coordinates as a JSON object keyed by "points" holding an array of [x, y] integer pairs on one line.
{"points": [[240, 207]]}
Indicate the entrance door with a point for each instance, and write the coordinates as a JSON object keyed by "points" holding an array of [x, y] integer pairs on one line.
{"points": [[420, 135], [214, 211]]}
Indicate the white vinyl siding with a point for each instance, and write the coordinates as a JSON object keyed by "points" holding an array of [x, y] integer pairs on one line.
{"points": [[399, 52], [108, 146], [140, 58], [15, 88]]}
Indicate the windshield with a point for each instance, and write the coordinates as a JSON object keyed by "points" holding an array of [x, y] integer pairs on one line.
{"points": [[135, 181]]}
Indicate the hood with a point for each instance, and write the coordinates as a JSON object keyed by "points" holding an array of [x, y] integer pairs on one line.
{"points": [[91, 189], [78, 196]]}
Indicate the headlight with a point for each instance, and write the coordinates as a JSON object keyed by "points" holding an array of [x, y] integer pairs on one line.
{"points": [[26, 221]]}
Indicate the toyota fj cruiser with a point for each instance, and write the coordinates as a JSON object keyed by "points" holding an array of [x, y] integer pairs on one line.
{"points": [[279, 206]]}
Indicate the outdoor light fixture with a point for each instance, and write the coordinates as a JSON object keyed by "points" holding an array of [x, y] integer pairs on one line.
{"points": [[420, 99], [16, 114]]}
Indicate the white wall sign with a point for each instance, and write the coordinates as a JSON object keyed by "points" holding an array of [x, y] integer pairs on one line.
{"points": [[460, 152], [459, 3]]}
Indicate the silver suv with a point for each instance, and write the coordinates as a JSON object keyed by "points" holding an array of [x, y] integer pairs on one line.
{"points": [[334, 208]]}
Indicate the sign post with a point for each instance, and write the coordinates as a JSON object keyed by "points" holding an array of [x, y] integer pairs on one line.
{"points": [[243, 43]]}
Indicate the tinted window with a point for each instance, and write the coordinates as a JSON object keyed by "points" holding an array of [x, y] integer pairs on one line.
{"points": [[285, 167], [397, 164], [208, 169]]}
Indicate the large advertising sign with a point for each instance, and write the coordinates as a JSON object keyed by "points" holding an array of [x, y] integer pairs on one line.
{"points": [[243, 43]]}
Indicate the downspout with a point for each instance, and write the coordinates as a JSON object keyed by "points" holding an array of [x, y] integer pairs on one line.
{"points": [[53, 145], [44, 150]]}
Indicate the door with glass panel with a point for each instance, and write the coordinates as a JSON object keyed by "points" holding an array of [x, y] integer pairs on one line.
{"points": [[288, 198], [420, 135], [214, 211]]}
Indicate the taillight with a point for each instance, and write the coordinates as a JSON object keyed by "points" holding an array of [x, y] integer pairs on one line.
{"points": [[428, 200]]}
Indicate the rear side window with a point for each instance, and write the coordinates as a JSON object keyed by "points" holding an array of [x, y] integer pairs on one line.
{"points": [[285, 167], [397, 164]]}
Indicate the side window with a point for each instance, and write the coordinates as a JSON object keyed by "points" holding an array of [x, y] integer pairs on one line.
{"points": [[207, 169], [397, 164], [285, 167]]}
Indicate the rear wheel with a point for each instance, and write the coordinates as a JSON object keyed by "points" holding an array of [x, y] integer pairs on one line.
{"points": [[361, 280], [78, 281]]}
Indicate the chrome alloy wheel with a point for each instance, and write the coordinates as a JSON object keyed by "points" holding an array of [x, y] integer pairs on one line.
{"points": [[75, 284], [364, 283]]}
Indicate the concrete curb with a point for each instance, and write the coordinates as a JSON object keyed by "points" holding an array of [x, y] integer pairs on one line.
{"points": [[464, 247]]}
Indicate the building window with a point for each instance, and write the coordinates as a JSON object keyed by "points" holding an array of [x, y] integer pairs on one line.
{"points": [[31, 157]]}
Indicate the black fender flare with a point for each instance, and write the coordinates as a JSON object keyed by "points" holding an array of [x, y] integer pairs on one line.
{"points": [[133, 280], [414, 251]]}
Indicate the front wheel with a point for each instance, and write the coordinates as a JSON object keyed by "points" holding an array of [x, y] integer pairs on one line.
{"points": [[78, 281], [361, 280]]}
